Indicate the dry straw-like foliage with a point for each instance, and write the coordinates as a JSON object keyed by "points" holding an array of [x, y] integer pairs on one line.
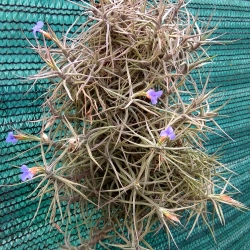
{"points": [[110, 166]]}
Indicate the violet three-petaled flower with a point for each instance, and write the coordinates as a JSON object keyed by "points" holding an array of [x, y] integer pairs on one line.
{"points": [[11, 138], [37, 27], [154, 95], [168, 132], [26, 173]]}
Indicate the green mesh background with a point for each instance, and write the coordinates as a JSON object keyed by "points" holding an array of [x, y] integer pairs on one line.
{"points": [[230, 73]]}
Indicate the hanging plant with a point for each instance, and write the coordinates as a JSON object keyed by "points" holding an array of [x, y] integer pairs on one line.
{"points": [[126, 124]]}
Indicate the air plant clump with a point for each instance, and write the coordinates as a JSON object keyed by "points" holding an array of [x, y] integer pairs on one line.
{"points": [[126, 123]]}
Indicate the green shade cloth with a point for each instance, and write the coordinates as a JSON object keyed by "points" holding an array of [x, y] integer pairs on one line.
{"points": [[230, 73]]}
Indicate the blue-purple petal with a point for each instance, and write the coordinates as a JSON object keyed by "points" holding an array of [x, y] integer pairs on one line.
{"points": [[34, 33], [39, 24], [153, 100], [10, 134], [150, 92], [154, 95], [26, 175], [169, 130], [159, 93], [164, 133], [11, 138], [37, 27], [24, 168], [23, 176], [171, 136]]}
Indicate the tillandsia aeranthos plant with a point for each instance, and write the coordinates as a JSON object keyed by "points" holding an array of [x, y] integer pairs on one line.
{"points": [[126, 122]]}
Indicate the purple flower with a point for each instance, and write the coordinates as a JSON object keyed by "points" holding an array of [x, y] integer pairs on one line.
{"points": [[27, 174], [37, 27], [11, 138], [154, 95], [168, 132]]}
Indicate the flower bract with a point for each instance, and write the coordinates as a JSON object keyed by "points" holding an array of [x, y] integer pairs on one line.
{"points": [[154, 95], [11, 138], [37, 27], [171, 216], [168, 132], [26, 173]]}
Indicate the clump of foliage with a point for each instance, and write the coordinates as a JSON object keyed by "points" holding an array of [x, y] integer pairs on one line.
{"points": [[126, 122]]}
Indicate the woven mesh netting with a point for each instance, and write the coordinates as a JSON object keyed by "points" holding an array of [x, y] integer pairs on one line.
{"points": [[230, 73]]}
